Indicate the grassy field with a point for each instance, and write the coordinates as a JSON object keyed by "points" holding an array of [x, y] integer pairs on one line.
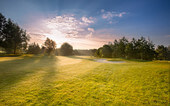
{"points": [[49, 80]]}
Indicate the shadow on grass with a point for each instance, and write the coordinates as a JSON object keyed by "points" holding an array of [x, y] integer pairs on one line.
{"points": [[138, 60], [123, 59], [9, 55], [14, 71], [47, 82]]}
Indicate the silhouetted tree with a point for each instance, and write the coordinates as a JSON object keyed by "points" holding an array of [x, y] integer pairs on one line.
{"points": [[2, 24], [50, 46], [13, 38], [34, 49], [66, 49], [43, 49]]}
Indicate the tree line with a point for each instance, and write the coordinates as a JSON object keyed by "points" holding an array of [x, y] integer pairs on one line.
{"points": [[14, 39], [49, 48], [141, 48]]}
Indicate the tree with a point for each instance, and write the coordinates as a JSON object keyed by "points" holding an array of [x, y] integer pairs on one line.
{"points": [[118, 48], [106, 51], [115, 48], [66, 49], [162, 52], [43, 49], [121, 47], [50, 46], [93, 51], [98, 53], [13, 38], [145, 49], [135, 51], [2, 24], [129, 50], [34, 48], [168, 57]]}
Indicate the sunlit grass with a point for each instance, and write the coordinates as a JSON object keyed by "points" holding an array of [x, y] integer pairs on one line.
{"points": [[49, 80]]}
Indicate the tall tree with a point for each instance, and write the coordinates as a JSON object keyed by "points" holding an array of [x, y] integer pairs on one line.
{"points": [[50, 46], [66, 49], [2, 23], [129, 50], [115, 48], [145, 49], [121, 47], [2, 26], [13, 38], [118, 47]]}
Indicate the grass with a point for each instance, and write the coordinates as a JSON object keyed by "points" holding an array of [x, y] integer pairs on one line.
{"points": [[49, 80], [128, 60]]}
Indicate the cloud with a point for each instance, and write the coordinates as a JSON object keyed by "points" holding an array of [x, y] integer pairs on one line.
{"points": [[110, 15], [102, 10], [62, 28], [68, 25], [68, 28], [90, 29], [90, 35], [37, 38], [121, 14], [75, 31], [88, 20], [107, 15]]}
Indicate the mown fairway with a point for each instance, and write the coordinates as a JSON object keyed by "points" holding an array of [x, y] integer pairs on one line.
{"points": [[43, 80]]}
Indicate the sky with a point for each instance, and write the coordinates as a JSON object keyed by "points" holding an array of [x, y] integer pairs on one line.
{"points": [[89, 24]]}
